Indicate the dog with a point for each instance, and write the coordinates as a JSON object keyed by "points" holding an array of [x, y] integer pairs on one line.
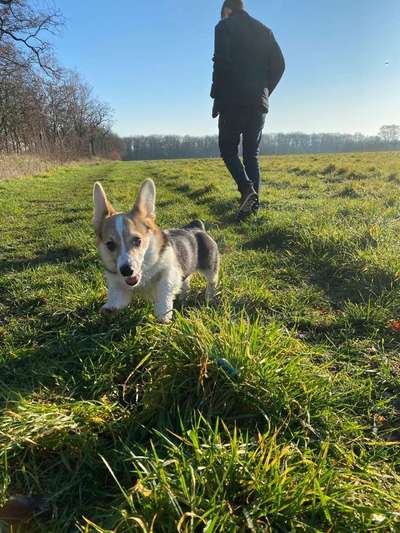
{"points": [[141, 259]]}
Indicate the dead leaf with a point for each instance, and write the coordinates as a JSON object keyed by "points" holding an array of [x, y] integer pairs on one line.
{"points": [[394, 325]]}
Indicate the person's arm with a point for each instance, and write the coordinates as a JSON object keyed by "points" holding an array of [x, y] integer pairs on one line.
{"points": [[276, 64], [222, 62]]}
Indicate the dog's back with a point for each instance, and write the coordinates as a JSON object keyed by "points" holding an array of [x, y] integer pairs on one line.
{"points": [[194, 249]]}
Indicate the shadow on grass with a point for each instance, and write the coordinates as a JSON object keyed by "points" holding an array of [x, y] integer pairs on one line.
{"points": [[54, 256], [59, 354], [225, 210], [183, 189], [72, 220], [276, 239], [332, 266], [200, 193]]}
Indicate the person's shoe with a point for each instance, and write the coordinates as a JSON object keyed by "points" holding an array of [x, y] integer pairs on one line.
{"points": [[248, 201]]}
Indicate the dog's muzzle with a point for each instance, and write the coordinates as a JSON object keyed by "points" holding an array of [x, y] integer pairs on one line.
{"points": [[127, 272]]}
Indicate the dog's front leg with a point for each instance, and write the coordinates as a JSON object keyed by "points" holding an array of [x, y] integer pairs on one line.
{"points": [[168, 287], [119, 296]]}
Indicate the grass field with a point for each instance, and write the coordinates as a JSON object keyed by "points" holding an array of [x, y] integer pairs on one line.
{"points": [[121, 424]]}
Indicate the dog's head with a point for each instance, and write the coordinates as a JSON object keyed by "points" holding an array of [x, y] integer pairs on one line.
{"points": [[124, 239]]}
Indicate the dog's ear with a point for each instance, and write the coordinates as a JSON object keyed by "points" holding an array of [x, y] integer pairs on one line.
{"points": [[146, 201], [102, 207]]}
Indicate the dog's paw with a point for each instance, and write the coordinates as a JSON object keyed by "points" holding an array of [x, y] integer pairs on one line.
{"points": [[108, 311], [164, 319]]}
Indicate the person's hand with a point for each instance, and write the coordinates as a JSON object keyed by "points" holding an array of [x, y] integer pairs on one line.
{"points": [[215, 111]]}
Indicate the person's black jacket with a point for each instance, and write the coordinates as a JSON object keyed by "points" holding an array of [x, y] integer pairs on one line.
{"points": [[248, 63]]}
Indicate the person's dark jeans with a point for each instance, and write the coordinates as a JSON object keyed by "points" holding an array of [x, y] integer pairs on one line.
{"points": [[249, 123]]}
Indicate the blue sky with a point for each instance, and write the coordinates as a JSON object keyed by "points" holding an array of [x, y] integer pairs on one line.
{"points": [[151, 61]]}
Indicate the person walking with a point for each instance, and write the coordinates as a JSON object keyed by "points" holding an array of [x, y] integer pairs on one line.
{"points": [[248, 65]]}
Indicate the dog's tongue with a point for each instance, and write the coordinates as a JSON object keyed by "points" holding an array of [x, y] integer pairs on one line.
{"points": [[133, 280]]}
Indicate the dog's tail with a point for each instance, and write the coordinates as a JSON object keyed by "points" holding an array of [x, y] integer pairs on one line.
{"points": [[196, 224]]}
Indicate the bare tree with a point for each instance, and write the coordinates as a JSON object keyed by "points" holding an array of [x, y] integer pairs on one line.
{"points": [[390, 133], [43, 108], [53, 115], [23, 32], [77, 121]]}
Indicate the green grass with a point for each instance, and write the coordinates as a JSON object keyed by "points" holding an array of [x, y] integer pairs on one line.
{"points": [[125, 425]]}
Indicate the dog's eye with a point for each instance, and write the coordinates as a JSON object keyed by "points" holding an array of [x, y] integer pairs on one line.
{"points": [[136, 241], [111, 246]]}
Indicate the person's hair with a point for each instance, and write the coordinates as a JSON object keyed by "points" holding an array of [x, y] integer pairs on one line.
{"points": [[235, 5]]}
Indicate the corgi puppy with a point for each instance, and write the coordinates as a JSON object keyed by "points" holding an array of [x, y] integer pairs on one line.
{"points": [[141, 259]]}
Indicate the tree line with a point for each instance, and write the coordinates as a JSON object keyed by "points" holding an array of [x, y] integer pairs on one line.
{"points": [[44, 108], [181, 147]]}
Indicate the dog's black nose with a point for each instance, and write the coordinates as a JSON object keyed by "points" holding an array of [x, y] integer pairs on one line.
{"points": [[126, 271]]}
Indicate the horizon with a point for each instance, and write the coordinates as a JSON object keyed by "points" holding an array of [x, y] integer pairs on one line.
{"points": [[215, 134], [152, 64]]}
